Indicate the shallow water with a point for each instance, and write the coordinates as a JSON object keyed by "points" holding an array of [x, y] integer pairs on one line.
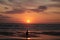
{"points": [[33, 35]]}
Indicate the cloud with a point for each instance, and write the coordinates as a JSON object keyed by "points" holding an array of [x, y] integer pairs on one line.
{"points": [[56, 0], [20, 11], [15, 12], [54, 5], [1, 2], [56, 12], [23, 4], [20, 6], [10, 0], [16, 6], [40, 9], [6, 5], [4, 16]]}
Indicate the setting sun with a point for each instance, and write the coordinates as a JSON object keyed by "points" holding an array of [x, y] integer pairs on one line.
{"points": [[28, 21]]}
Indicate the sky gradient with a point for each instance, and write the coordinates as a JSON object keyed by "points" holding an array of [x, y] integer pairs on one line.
{"points": [[19, 11]]}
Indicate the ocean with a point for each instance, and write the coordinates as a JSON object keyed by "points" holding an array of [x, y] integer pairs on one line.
{"points": [[17, 31]]}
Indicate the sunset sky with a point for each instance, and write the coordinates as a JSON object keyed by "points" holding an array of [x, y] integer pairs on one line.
{"points": [[21, 11]]}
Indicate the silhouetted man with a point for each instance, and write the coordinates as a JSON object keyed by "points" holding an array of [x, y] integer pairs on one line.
{"points": [[27, 35]]}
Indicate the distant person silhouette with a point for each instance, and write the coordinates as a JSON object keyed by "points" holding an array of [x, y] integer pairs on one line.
{"points": [[27, 35]]}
